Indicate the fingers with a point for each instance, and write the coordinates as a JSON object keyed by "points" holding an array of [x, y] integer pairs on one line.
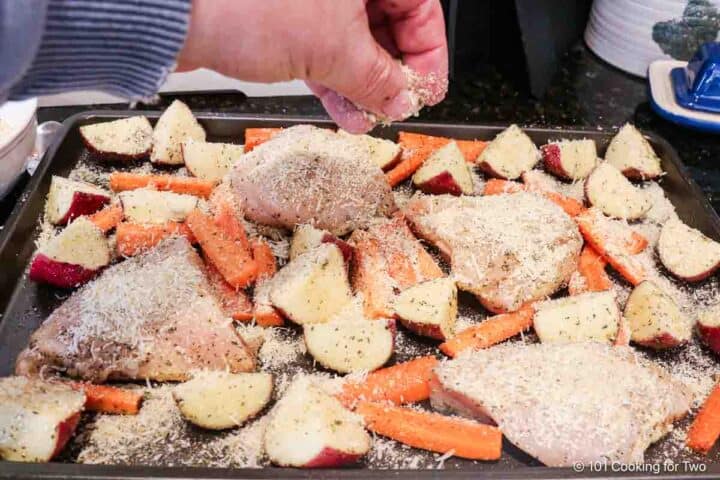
{"points": [[368, 76], [344, 113], [418, 29]]}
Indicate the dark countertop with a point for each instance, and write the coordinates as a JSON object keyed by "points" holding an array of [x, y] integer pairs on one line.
{"points": [[586, 92]]}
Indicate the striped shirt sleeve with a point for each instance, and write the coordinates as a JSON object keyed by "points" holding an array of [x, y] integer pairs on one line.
{"points": [[122, 47]]}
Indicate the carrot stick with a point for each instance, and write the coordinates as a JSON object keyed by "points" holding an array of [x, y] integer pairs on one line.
{"points": [[267, 316], [264, 257], [571, 206], [133, 238], [121, 181], [256, 136], [616, 255], [107, 218], [636, 243], [496, 186], [232, 259], [591, 266], [490, 332], [264, 313], [406, 382], [106, 399], [235, 303], [705, 429], [227, 220], [471, 149], [432, 431]]}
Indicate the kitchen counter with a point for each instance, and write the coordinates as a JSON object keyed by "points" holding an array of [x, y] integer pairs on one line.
{"points": [[585, 93]]}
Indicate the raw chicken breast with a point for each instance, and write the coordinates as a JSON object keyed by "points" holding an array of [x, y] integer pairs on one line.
{"points": [[565, 403], [310, 175]]}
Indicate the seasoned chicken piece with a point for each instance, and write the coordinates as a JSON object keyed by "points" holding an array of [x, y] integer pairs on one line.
{"points": [[506, 249], [565, 403], [150, 317], [310, 175]]}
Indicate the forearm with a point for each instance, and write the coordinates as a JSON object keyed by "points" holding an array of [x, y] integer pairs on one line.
{"points": [[119, 47]]}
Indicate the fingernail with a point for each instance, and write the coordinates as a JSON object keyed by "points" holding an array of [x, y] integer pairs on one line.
{"points": [[399, 107]]}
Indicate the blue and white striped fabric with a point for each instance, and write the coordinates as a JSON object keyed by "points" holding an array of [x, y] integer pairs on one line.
{"points": [[123, 47]]}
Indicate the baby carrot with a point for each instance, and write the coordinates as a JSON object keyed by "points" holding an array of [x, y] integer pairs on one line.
{"points": [[232, 259], [256, 136], [133, 238], [107, 218], [264, 257], [107, 399], [235, 303], [432, 431], [406, 382], [705, 429], [617, 256], [490, 332], [121, 181], [591, 266]]}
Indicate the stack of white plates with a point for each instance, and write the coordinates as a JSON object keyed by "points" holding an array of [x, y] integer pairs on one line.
{"points": [[17, 140], [621, 31]]}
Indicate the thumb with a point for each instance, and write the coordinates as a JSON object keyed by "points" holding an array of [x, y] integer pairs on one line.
{"points": [[370, 78]]}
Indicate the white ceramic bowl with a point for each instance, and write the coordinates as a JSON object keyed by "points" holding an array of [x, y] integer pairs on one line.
{"points": [[621, 31], [17, 144]]}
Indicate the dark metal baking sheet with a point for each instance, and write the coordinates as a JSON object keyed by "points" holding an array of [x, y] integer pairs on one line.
{"points": [[25, 305]]}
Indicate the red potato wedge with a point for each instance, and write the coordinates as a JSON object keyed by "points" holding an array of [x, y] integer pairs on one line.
{"points": [[210, 161], [708, 327], [306, 237], [570, 159], [123, 181], [445, 171], [509, 155], [133, 238], [406, 382], [351, 345], [256, 136], [125, 140], [434, 432], [219, 400], [416, 148], [384, 153], [153, 207], [68, 199], [310, 429], [37, 418], [654, 318], [429, 308], [312, 287], [175, 126], [633, 155], [687, 253], [73, 257], [607, 189], [592, 316]]}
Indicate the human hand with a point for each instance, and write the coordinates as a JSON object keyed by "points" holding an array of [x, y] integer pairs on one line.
{"points": [[345, 50]]}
